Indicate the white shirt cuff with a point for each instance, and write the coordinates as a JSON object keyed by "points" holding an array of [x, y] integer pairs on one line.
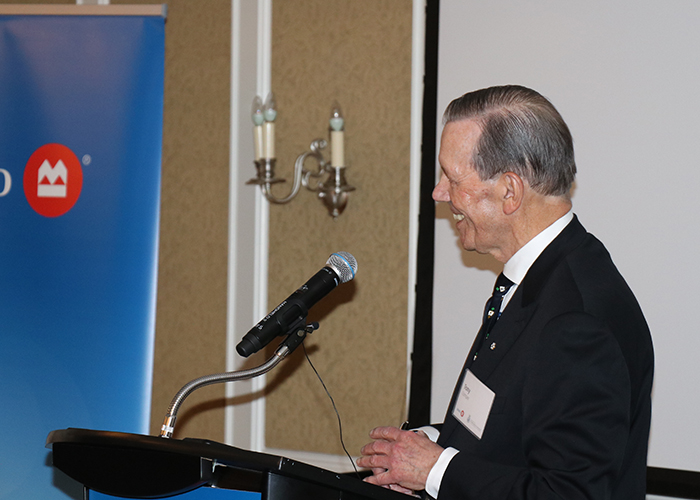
{"points": [[432, 433], [432, 484]]}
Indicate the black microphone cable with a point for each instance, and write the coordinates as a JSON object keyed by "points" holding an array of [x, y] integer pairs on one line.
{"points": [[335, 409]]}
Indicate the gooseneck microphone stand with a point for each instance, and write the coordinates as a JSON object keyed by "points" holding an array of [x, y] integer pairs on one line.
{"points": [[293, 340]]}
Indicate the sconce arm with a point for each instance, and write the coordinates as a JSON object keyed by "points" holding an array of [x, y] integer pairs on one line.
{"points": [[296, 185], [332, 191]]}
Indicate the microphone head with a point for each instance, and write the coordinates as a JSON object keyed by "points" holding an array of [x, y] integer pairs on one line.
{"points": [[344, 265]]}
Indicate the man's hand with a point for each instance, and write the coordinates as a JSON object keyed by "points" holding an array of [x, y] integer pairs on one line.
{"points": [[399, 458]]}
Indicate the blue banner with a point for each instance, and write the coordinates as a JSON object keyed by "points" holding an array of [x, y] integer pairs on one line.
{"points": [[81, 107]]}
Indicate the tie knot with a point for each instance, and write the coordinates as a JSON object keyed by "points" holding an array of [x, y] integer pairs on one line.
{"points": [[503, 284]]}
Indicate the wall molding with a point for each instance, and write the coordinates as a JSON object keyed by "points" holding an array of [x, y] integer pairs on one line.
{"points": [[248, 229]]}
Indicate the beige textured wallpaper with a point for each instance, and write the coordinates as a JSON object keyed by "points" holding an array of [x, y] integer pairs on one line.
{"points": [[359, 53]]}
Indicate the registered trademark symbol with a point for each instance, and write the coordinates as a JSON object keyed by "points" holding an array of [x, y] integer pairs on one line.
{"points": [[87, 159]]}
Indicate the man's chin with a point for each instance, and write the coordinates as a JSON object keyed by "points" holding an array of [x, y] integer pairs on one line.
{"points": [[471, 247], [467, 241]]}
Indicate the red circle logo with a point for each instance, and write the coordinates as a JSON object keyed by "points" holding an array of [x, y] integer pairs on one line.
{"points": [[53, 180]]}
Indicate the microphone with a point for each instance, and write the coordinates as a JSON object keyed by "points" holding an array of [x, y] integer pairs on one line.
{"points": [[290, 315]]}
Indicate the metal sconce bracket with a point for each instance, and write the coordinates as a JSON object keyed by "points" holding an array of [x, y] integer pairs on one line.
{"points": [[332, 191]]}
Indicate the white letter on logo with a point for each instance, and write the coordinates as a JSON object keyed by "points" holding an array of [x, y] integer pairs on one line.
{"points": [[8, 182], [50, 188]]}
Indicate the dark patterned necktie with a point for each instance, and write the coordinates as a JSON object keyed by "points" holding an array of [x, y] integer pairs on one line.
{"points": [[492, 311]]}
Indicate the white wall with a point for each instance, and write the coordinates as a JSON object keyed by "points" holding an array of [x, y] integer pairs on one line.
{"points": [[624, 75]]}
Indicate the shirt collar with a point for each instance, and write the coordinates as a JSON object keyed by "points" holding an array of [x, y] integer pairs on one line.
{"points": [[517, 266]]}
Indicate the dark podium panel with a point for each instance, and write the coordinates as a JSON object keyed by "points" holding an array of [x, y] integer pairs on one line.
{"points": [[138, 466]]}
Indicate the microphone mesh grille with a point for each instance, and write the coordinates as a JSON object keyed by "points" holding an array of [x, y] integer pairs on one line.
{"points": [[344, 265]]}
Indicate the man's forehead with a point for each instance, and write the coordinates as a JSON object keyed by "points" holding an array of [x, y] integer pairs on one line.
{"points": [[468, 128], [459, 139]]}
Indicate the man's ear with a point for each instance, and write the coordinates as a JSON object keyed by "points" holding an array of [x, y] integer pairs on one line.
{"points": [[513, 192]]}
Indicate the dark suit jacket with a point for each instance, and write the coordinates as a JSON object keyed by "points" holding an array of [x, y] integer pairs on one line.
{"points": [[572, 371]]}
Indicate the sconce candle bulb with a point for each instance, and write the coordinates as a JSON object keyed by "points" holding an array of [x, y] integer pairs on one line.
{"points": [[258, 120], [269, 113], [337, 126]]}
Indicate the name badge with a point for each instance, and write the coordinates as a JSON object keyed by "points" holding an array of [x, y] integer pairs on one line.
{"points": [[473, 404]]}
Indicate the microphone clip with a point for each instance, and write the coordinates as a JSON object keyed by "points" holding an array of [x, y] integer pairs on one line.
{"points": [[294, 339]]}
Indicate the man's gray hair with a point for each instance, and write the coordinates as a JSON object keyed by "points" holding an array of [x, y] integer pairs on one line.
{"points": [[521, 132]]}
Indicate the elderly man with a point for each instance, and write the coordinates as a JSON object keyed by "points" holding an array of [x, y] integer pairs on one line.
{"points": [[554, 398]]}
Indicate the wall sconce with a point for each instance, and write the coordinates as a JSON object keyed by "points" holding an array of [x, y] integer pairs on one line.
{"points": [[328, 181]]}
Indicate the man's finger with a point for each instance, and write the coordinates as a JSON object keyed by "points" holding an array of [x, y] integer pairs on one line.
{"points": [[400, 489], [373, 462], [376, 448], [381, 479], [386, 433]]}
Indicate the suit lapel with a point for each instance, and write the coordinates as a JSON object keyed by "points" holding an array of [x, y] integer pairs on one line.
{"points": [[503, 336]]}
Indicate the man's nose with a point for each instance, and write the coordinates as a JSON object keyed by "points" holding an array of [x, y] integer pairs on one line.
{"points": [[440, 191]]}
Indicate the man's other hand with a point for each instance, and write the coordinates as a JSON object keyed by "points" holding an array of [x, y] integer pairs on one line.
{"points": [[399, 458]]}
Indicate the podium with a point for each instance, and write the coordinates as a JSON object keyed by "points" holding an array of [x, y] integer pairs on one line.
{"points": [[139, 466]]}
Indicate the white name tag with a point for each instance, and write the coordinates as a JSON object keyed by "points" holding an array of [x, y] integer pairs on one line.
{"points": [[473, 404]]}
